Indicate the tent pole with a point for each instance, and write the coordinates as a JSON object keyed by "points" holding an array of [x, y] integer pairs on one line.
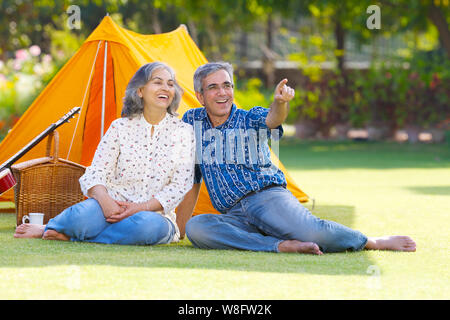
{"points": [[84, 99], [104, 90]]}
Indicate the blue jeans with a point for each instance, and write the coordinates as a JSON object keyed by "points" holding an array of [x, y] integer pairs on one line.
{"points": [[260, 221], [85, 221]]}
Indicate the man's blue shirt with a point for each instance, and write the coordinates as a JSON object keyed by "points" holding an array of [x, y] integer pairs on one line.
{"points": [[234, 158]]}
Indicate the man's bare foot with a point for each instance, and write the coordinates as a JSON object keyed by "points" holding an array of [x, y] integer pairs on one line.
{"points": [[29, 230], [394, 243], [299, 247], [55, 235]]}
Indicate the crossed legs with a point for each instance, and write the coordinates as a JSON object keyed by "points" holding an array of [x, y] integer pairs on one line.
{"points": [[84, 221]]}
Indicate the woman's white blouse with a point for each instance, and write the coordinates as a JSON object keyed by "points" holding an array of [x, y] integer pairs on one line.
{"points": [[135, 166]]}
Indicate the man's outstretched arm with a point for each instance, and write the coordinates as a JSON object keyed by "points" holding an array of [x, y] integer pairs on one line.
{"points": [[186, 208], [279, 108]]}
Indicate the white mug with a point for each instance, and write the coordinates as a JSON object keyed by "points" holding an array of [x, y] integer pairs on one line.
{"points": [[34, 218]]}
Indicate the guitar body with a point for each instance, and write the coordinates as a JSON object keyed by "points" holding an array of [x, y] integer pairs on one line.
{"points": [[7, 180]]}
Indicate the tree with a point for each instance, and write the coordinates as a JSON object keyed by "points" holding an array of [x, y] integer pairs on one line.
{"points": [[417, 14], [23, 23]]}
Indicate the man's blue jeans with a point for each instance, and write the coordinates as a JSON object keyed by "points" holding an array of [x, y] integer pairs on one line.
{"points": [[85, 221], [260, 221]]}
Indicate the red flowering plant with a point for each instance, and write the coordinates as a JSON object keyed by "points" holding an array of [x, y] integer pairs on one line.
{"points": [[321, 104], [21, 79], [426, 102]]}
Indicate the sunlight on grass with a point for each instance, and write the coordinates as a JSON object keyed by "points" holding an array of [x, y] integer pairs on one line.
{"points": [[6, 205]]}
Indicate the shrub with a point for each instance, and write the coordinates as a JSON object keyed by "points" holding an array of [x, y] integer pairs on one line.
{"points": [[251, 93], [406, 93], [21, 80]]}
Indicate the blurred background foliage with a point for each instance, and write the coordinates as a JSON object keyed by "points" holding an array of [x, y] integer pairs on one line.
{"points": [[345, 74]]}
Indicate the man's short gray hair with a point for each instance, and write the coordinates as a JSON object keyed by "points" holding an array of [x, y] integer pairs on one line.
{"points": [[132, 103], [204, 70]]}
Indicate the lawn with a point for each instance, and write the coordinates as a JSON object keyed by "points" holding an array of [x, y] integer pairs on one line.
{"points": [[377, 188]]}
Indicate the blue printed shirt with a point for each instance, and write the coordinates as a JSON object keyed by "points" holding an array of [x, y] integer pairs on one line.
{"points": [[234, 158]]}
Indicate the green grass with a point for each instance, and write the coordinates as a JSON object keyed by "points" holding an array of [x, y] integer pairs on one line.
{"points": [[377, 188], [7, 206]]}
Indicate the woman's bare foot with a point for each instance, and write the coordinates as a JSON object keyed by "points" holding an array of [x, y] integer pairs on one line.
{"points": [[29, 230], [55, 235], [299, 247], [394, 243]]}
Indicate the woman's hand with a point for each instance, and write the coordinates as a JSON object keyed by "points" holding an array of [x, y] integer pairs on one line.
{"points": [[110, 208], [128, 209], [109, 205]]}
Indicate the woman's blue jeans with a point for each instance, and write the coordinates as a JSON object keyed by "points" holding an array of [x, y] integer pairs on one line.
{"points": [[260, 221], [85, 221]]}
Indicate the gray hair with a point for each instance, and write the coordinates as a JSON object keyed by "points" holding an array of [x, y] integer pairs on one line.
{"points": [[204, 70], [132, 103]]}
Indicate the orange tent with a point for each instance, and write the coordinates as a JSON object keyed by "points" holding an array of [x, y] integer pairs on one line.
{"points": [[95, 79]]}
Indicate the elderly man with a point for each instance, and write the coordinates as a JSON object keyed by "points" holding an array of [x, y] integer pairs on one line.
{"points": [[258, 213]]}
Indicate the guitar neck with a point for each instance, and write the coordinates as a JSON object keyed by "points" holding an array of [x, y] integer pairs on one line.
{"points": [[39, 138], [21, 153]]}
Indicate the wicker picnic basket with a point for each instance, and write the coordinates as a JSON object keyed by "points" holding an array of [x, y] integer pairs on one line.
{"points": [[47, 185]]}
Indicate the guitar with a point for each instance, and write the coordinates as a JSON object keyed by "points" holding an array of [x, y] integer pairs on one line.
{"points": [[7, 180]]}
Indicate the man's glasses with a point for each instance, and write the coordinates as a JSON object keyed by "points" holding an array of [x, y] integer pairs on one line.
{"points": [[226, 86]]}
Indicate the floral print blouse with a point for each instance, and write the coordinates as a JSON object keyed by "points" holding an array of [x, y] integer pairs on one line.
{"points": [[136, 166]]}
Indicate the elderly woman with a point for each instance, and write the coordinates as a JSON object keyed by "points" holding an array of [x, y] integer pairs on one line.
{"points": [[142, 168]]}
